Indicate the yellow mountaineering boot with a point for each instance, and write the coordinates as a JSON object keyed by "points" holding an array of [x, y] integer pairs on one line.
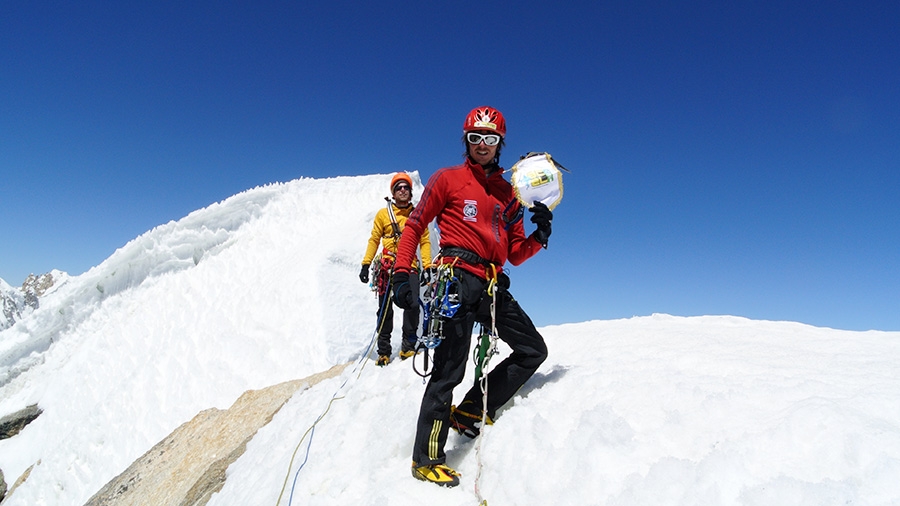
{"points": [[466, 421], [436, 473], [408, 347], [383, 360]]}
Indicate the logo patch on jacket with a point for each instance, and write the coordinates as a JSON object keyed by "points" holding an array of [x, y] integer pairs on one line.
{"points": [[470, 210]]}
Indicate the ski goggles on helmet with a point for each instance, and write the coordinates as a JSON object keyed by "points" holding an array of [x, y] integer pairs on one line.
{"points": [[489, 139]]}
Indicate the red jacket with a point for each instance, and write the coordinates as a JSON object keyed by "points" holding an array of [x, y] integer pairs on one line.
{"points": [[470, 208]]}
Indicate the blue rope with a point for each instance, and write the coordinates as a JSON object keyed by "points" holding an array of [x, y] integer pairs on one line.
{"points": [[305, 458]]}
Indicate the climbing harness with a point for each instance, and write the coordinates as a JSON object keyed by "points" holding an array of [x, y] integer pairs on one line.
{"points": [[383, 264], [439, 301]]}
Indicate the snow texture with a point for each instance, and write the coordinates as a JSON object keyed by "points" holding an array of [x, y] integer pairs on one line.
{"points": [[262, 288]]}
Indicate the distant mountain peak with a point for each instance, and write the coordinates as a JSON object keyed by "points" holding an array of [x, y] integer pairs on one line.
{"points": [[35, 287], [15, 302]]}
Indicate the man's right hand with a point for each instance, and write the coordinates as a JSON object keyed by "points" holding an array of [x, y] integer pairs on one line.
{"points": [[364, 273], [403, 294]]}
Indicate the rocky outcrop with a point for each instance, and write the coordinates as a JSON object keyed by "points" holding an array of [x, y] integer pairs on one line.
{"points": [[9, 306], [11, 424], [18, 482], [14, 301], [188, 467], [35, 287]]}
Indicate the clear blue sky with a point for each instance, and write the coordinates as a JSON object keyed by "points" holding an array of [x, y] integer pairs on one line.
{"points": [[728, 157]]}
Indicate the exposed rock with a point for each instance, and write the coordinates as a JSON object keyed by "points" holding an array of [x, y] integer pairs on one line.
{"points": [[21, 479], [9, 308], [15, 301], [2, 486], [188, 467], [35, 287], [11, 424]]}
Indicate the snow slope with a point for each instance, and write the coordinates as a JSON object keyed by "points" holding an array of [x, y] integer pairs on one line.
{"points": [[262, 288]]}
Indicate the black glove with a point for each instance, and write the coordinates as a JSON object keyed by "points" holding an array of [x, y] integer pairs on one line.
{"points": [[364, 273], [542, 217], [403, 294], [427, 276]]}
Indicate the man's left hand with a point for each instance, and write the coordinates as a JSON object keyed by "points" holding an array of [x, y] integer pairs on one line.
{"points": [[542, 217]]}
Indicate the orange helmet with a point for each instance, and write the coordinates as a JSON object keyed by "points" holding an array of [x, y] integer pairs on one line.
{"points": [[400, 176], [485, 118]]}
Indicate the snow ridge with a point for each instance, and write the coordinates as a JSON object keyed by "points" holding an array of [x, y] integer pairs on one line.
{"points": [[262, 288]]}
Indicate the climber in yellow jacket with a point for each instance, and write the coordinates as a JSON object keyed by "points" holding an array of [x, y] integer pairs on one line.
{"points": [[389, 223]]}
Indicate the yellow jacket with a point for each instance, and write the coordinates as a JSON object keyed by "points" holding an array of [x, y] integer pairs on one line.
{"points": [[383, 232]]}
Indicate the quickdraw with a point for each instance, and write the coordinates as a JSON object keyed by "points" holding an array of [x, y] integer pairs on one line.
{"points": [[440, 301], [484, 350], [381, 271]]}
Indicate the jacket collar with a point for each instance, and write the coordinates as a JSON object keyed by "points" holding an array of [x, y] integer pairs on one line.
{"points": [[478, 171]]}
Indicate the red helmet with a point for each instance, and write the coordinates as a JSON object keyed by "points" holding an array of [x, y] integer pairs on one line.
{"points": [[485, 118], [400, 176]]}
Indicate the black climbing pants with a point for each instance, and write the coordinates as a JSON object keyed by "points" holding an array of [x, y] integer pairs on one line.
{"points": [[514, 327], [385, 315]]}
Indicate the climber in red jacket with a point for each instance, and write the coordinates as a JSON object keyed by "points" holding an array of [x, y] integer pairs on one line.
{"points": [[481, 228]]}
